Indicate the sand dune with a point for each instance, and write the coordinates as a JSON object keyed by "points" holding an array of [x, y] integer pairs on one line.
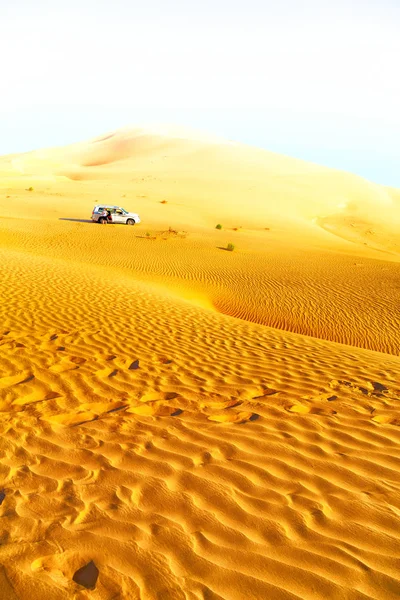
{"points": [[178, 421]]}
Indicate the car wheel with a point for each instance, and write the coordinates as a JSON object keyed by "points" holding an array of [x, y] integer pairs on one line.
{"points": [[130, 222], [103, 221]]}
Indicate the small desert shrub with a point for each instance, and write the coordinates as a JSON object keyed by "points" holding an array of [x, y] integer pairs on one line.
{"points": [[219, 226], [30, 189], [163, 202], [147, 234], [230, 247], [235, 228]]}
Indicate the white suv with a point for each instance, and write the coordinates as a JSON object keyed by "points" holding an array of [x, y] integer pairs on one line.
{"points": [[104, 213]]}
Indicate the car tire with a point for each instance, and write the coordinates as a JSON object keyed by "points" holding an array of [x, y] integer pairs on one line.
{"points": [[130, 222], [103, 221]]}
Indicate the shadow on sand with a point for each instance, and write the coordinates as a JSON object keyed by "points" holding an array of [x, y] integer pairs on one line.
{"points": [[76, 220]]}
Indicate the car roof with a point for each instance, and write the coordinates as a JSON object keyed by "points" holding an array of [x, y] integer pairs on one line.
{"points": [[108, 206]]}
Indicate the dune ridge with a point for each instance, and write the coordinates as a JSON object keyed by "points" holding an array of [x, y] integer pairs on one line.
{"points": [[178, 421]]}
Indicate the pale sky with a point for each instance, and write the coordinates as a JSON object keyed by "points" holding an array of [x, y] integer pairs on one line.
{"points": [[315, 79]]}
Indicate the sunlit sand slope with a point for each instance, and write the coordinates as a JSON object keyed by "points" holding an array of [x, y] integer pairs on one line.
{"points": [[185, 453], [317, 250], [308, 282], [231, 181], [151, 445]]}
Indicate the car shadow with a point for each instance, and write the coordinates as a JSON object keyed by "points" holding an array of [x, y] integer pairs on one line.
{"points": [[76, 220]]}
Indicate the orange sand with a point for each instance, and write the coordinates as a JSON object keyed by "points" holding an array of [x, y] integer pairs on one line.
{"points": [[187, 453]]}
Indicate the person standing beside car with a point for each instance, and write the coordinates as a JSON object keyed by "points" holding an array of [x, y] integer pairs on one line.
{"points": [[107, 214]]}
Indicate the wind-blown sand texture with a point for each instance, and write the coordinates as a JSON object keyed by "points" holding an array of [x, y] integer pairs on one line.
{"points": [[179, 421]]}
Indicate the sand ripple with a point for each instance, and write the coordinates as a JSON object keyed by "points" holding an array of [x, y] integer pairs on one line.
{"points": [[235, 461], [182, 422]]}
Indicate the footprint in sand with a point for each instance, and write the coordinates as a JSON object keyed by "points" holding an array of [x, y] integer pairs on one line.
{"points": [[233, 417], [71, 419], [63, 367], [88, 412], [299, 408], [51, 396], [304, 409], [265, 392], [371, 388], [107, 372], [152, 396], [204, 459], [376, 389], [165, 361], [27, 379], [154, 409], [323, 397], [78, 360], [19, 378], [221, 405], [386, 419], [101, 408], [87, 576]]}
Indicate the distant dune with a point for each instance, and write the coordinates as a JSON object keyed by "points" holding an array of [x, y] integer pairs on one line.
{"points": [[180, 421], [312, 242], [208, 170]]}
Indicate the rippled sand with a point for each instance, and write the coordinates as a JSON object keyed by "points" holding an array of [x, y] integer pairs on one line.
{"points": [[200, 424]]}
